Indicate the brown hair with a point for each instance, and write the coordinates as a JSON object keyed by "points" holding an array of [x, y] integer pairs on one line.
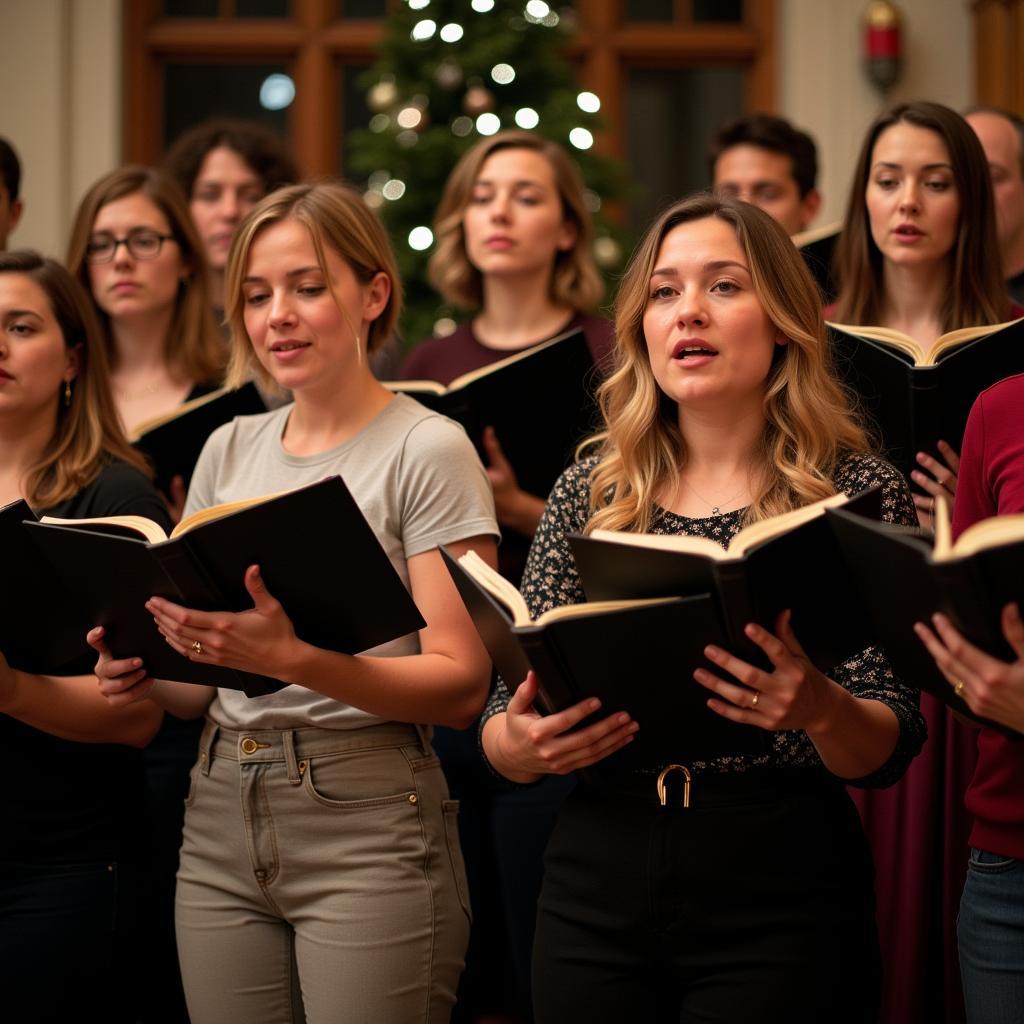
{"points": [[575, 281], [88, 433], [194, 346], [336, 218], [809, 422], [977, 294], [260, 148]]}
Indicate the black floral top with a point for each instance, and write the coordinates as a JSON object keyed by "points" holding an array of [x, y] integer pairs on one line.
{"points": [[551, 580]]}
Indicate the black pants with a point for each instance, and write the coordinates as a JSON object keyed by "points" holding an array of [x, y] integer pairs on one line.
{"points": [[66, 943], [756, 904]]}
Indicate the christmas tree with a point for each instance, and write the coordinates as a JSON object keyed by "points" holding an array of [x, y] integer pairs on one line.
{"points": [[451, 72]]}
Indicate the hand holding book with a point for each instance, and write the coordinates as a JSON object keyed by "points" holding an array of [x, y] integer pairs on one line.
{"points": [[524, 745], [941, 483], [993, 689]]}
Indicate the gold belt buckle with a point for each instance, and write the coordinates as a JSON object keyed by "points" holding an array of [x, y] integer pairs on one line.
{"points": [[687, 778]]}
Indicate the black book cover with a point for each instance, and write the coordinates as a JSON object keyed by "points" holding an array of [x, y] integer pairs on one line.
{"points": [[317, 554], [541, 405], [634, 659], [913, 407], [173, 447], [42, 627], [902, 583], [802, 569], [817, 247]]}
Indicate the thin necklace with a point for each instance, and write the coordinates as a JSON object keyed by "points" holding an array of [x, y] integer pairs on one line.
{"points": [[716, 510]]}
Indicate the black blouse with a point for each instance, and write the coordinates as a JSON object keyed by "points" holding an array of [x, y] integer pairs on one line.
{"points": [[551, 580]]}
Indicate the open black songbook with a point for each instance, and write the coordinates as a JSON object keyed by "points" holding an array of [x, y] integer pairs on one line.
{"points": [[636, 656], [317, 555], [174, 441], [540, 403], [788, 561], [915, 400], [905, 579]]}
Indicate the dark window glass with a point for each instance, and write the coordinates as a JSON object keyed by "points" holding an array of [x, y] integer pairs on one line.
{"points": [[354, 112], [194, 92], [367, 9], [191, 8], [649, 10], [717, 10], [262, 8], [672, 115]]}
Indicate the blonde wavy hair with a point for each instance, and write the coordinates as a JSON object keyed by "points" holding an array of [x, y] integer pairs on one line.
{"points": [[575, 280], [336, 218], [87, 434], [809, 420], [194, 347]]}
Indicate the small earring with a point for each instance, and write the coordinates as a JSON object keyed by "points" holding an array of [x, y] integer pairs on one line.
{"points": [[67, 393]]}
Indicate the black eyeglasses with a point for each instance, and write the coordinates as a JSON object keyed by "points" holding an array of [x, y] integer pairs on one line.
{"points": [[142, 243]]}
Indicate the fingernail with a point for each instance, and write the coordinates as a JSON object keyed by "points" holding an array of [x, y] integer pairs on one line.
{"points": [[634, 727], [594, 704], [622, 719], [711, 651], [751, 629], [136, 662]]}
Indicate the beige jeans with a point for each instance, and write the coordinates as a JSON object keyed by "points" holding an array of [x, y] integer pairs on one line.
{"points": [[321, 879]]}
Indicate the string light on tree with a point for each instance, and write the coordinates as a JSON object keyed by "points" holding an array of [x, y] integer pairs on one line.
{"points": [[462, 126], [380, 123], [383, 95], [451, 33], [482, 6], [588, 102], [445, 326], [503, 74], [393, 189], [581, 138], [448, 75], [477, 100], [536, 11], [421, 238], [607, 252], [423, 30], [527, 118], [418, 5], [488, 124]]}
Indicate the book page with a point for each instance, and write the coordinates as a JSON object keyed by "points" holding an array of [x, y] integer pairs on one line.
{"points": [[946, 343], [146, 528], [883, 335], [413, 387], [574, 611], [775, 526], [497, 586], [811, 235], [665, 542], [207, 515], [989, 533]]}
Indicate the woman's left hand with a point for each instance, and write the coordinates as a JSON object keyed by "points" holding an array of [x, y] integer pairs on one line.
{"points": [[992, 688], [941, 483], [260, 640], [794, 695]]}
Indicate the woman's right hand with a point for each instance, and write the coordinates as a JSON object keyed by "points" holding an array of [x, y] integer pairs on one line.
{"points": [[529, 745], [122, 680]]}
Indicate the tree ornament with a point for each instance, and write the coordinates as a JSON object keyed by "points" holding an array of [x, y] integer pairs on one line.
{"points": [[383, 95], [478, 100]]}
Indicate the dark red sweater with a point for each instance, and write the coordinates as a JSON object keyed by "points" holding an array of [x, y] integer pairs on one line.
{"points": [[991, 483]]}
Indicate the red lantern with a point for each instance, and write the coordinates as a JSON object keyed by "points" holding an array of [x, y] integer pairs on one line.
{"points": [[883, 45]]}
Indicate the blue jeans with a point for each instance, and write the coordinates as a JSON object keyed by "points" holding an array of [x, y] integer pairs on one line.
{"points": [[990, 933]]}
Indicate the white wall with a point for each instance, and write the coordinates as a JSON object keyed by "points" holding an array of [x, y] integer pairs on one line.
{"points": [[823, 88], [60, 83]]}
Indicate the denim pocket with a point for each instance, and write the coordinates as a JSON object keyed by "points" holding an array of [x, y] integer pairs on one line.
{"points": [[986, 863], [356, 782]]}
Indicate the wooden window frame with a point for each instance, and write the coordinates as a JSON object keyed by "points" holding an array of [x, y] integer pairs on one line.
{"points": [[314, 45]]}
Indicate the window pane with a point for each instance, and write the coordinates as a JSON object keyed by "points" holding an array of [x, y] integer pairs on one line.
{"points": [[718, 10], [262, 8], [191, 8], [355, 113], [649, 10], [364, 8], [194, 92], [669, 164]]}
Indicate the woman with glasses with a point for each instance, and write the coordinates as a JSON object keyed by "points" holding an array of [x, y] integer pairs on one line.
{"points": [[134, 248], [72, 800]]}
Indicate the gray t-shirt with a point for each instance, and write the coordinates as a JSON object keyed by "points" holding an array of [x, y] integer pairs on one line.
{"points": [[416, 479]]}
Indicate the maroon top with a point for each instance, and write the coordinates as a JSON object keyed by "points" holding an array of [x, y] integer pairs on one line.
{"points": [[991, 483], [444, 359]]}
